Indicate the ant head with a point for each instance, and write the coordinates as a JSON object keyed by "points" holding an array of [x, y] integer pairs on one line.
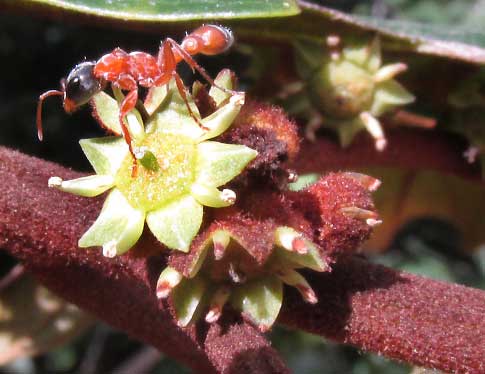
{"points": [[80, 86]]}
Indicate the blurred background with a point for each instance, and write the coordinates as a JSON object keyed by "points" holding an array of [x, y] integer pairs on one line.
{"points": [[34, 54]]}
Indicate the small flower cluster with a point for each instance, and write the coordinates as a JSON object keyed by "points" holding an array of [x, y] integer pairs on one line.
{"points": [[260, 237], [346, 87]]}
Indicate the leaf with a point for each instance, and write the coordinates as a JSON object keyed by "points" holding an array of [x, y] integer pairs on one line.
{"points": [[174, 10], [407, 195]]}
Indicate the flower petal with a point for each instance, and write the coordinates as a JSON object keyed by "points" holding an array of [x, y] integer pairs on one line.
{"points": [[224, 79], [186, 298], [172, 115], [218, 163], [105, 154], [388, 95], [89, 186], [118, 227], [309, 258], [155, 97], [221, 119], [260, 300], [177, 223], [211, 196], [106, 111]]}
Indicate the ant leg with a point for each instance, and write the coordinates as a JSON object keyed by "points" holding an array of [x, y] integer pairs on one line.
{"points": [[168, 65], [183, 92], [194, 65], [129, 102]]}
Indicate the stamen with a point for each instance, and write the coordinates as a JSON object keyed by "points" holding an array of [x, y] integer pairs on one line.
{"points": [[217, 304]]}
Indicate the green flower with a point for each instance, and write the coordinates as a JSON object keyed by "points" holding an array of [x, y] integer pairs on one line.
{"points": [[348, 88], [224, 268], [179, 170]]}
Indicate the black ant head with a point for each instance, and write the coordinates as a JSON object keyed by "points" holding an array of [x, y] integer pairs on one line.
{"points": [[80, 86]]}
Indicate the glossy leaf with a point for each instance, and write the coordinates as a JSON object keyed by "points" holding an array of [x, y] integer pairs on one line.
{"points": [[175, 10]]}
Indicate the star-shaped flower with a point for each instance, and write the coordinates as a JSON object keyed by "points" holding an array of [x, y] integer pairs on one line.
{"points": [[347, 87], [179, 169]]}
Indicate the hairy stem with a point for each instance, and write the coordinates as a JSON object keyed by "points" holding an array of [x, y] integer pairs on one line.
{"points": [[402, 316], [399, 315], [407, 149], [41, 227]]}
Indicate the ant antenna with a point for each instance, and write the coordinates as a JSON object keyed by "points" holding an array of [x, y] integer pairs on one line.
{"points": [[39, 109]]}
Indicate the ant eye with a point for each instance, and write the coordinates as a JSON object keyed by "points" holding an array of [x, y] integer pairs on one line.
{"points": [[81, 84]]}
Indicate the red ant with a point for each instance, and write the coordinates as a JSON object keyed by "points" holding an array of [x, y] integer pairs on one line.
{"points": [[128, 70]]}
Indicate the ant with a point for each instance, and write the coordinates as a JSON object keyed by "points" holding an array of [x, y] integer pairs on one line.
{"points": [[128, 70]]}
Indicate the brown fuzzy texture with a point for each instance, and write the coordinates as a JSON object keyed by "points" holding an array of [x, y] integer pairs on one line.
{"points": [[399, 315], [322, 202], [268, 130], [41, 226], [374, 308]]}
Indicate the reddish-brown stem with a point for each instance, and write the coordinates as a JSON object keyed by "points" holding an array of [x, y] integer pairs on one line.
{"points": [[41, 226], [400, 315], [406, 317], [407, 149]]}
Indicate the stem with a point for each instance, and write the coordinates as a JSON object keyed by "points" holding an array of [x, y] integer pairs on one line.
{"points": [[41, 226], [402, 316], [407, 149]]}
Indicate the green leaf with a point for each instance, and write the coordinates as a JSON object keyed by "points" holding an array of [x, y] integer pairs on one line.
{"points": [[175, 10], [118, 227], [187, 297], [105, 154], [260, 300], [218, 163], [177, 223]]}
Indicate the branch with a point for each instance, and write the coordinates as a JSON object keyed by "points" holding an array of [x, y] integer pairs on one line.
{"points": [[41, 226], [377, 309], [407, 149], [399, 315]]}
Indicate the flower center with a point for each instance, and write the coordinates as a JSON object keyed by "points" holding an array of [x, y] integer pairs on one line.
{"points": [[151, 189], [342, 89]]}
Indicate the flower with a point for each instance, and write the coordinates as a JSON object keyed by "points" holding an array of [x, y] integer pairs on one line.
{"points": [[347, 88], [179, 169], [249, 251]]}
